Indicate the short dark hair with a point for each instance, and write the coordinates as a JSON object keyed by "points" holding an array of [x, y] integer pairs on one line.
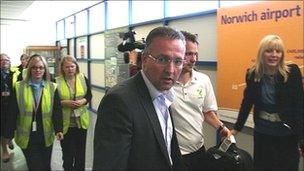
{"points": [[24, 56], [164, 32], [190, 37]]}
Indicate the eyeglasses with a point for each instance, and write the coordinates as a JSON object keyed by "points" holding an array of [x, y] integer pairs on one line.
{"points": [[37, 68], [162, 60]]}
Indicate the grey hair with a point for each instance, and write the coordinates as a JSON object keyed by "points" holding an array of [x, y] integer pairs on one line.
{"points": [[163, 32]]}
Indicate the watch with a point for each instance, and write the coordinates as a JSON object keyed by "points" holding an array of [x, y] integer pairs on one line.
{"points": [[220, 128]]}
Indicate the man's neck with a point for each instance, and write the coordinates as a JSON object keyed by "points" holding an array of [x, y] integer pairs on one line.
{"points": [[185, 77]]}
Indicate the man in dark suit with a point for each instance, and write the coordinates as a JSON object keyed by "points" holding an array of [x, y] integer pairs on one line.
{"points": [[133, 130]]}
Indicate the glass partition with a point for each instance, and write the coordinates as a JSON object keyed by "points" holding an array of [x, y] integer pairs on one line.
{"points": [[81, 48], [70, 27], [97, 46], [147, 10], [60, 29], [176, 8], [82, 23], [97, 18], [71, 47], [118, 14]]}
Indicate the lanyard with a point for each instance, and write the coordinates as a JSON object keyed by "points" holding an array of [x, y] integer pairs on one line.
{"points": [[70, 88], [37, 101]]}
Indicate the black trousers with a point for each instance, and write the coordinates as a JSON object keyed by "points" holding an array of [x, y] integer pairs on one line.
{"points": [[73, 149], [275, 152], [38, 157], [195, 160]]}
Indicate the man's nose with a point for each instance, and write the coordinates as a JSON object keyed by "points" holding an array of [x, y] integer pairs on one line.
{"points": [[170, 67]]}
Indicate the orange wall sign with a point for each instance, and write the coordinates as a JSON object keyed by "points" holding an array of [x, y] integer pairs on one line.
{"points": [[240, 30]]}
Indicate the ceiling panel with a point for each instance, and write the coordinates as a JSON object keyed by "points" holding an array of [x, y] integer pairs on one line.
{"points": [[12, 10], [22, 11]]}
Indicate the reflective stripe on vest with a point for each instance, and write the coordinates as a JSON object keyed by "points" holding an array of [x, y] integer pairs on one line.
{"points": [[64, 93], [26, 102]]}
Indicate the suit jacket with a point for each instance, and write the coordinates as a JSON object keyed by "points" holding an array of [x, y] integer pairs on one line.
{"points": [[128, 135], [289, 100]]}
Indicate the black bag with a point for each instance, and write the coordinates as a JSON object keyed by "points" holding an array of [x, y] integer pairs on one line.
{"points": [[233, 159]]}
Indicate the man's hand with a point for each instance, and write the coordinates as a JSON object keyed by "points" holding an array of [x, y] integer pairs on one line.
{"points": [[225, 132]]}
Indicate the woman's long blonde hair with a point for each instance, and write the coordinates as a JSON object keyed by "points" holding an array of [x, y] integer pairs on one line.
{"points": [[269, 42]]}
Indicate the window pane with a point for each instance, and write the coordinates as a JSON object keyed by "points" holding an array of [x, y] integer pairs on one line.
{"points": [[176, 8], [69, 27], [147, 10], [207, 37], [143, 30], [98, 94], [235, 3], [118, 14], [97, 18], [81, 51], [98, 79], [63, 42], [97, 46], [81, 23], [60, 29], [83, 67], [71, 47]]}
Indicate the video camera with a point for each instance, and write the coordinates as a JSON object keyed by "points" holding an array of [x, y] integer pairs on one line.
{"points": [[129, 42], [128, 47]]}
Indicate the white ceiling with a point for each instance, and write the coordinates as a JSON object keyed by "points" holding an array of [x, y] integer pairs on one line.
{"points": [[11, 11], [51, 11]]}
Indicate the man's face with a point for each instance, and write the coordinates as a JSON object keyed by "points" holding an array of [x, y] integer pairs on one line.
{"points": [[191, 56], [24, 61], [5, 62], [162, 75]]}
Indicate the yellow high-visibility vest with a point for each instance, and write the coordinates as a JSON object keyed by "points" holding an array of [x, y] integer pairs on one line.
{"points": [[64, 93], [16, 72], [26, 102]]}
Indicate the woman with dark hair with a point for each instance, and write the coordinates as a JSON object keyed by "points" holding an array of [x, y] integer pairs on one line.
{"points": [[8, 80], [37, 114], [275, 90], [22, 67]]}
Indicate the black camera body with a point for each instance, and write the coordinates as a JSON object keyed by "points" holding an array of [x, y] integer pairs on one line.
{"points": [[129, 44]]}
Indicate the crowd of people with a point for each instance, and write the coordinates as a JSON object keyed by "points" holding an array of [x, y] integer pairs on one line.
{"points": [[153, 120]]}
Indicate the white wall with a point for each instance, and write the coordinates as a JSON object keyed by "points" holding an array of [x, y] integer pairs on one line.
{"points": [[40, 28], [14, 38]]}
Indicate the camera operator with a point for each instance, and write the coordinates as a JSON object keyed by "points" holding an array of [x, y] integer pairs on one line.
{"points": [[135, 62], [132, 51]]}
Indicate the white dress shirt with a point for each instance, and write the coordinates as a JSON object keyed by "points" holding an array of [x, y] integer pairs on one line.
{"points": [[167, 128]]}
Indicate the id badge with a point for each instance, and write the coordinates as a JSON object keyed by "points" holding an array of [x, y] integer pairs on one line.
{"points": [[77, 112], [34, 126], [5, 93]]}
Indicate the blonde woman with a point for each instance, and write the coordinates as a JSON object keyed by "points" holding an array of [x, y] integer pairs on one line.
{"points": [[275, 90], [38, 115], [75, 93]]}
